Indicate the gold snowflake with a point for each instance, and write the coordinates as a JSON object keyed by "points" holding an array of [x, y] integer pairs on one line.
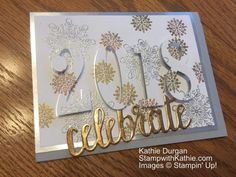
{"points": [[170, 82], [126, 94], [141, 23], [111, 40], [46, 115], [104, 72], [177, 48], [63, 83]]}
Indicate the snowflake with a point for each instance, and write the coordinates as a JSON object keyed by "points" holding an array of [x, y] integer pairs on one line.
{"points": [[197, 68], [63, 83], [78, 120], [176, 27], [111, 40], [132, 62], [177, 48], [104, 72], [146, 105], [170, 82], [198, 109], [141, 23], [150, 60], [69, 36], [46, 115], [126, 94]]}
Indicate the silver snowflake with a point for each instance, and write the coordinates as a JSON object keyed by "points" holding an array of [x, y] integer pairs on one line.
{"points": [[141, 23], [170, 82], [69, 36], [198, 108], [132, 62], [150, 59], [177, 48], [176, 27]]}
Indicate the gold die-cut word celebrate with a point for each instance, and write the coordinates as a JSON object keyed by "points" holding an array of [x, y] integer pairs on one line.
{"points": [[138, 122]]}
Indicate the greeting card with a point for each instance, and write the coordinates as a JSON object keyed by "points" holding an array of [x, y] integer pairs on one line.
{"points": [[112, 81]]}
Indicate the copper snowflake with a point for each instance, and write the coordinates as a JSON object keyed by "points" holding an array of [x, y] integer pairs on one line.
{"points": [[141, 23], [177, 48], [176, 27], [104, 72], [112, 40], [63, 83], [147, 103], [46, 115], [170, 82], [197, 68], [125, 94]]}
